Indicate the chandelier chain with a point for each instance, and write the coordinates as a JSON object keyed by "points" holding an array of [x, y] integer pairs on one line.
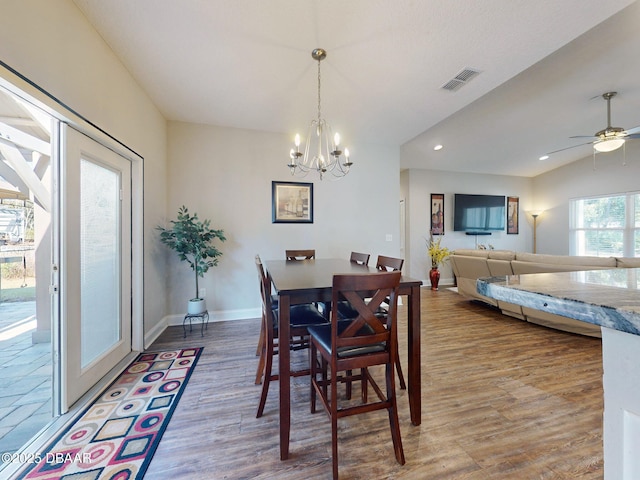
{"points": [[319, 116]]}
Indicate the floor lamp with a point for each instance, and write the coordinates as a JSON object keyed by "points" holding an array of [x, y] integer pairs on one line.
{"points": [[535, 218]]}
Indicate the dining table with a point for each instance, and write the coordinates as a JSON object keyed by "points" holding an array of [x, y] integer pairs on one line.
{"points": [[307, 281]]}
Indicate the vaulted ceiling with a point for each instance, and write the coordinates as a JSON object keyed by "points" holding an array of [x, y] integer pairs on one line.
{"points": [[247, 64]]}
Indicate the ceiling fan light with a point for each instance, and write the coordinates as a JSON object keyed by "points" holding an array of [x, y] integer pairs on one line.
{"points": [[608, 144]]}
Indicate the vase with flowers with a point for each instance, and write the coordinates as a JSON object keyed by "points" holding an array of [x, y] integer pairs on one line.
{"points": [[438, 255]]}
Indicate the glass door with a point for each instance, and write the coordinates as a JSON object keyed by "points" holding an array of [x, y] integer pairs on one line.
{"points": [[27, 364], [95, 260]]}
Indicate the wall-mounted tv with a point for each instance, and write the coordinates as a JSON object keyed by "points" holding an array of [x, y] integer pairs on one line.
{"points": [[479, 213]]}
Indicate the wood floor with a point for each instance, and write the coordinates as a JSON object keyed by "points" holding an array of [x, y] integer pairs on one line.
{"points": [[501, 399]]}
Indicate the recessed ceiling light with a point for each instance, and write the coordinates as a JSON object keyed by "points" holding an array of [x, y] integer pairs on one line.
{"points": [[544, 157], [437, 147]]}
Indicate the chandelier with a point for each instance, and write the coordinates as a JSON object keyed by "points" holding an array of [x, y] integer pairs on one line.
{"points": [[325, 154]]}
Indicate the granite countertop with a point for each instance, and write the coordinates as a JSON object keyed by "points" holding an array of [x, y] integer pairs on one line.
{"points": [[609, 298]]}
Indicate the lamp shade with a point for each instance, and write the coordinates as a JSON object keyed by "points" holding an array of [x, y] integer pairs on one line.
{"points": [[608, 144]]}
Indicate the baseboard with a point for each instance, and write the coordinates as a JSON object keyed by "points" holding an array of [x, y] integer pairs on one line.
{"points": [[219, 316], [155, 332]]}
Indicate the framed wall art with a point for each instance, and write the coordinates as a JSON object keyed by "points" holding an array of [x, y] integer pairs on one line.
{"points": [[437, 213], [291, 202], [513, 205]]}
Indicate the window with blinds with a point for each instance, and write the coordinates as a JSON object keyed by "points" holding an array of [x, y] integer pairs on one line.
{"points": [[606, 226]]}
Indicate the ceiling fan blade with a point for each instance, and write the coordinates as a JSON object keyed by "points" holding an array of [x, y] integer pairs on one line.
{"points": [[584, 136], [633, 135], [633, 130], [567, 148]]}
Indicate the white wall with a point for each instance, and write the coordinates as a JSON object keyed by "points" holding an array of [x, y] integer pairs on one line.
{"points": [[51, 44], [225, 174], [417, 187], [553, 190]]}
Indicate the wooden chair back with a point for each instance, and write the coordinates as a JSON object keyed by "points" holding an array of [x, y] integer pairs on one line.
{"points": [[365, 293], [300, 254], [389, 263], [360, 258], [265, 289]]}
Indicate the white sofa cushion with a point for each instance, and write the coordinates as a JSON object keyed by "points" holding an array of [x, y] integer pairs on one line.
{"points": [[540, 258], [628, 262], [469, 252], [502, 255]]}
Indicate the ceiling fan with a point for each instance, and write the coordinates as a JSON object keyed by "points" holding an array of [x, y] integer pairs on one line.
{"points": [[608, 139]]}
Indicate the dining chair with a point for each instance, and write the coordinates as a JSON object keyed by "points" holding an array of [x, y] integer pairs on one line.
{"points": [[300, 254], [353, 345], [261, 338], [386, 264], [301, 317]]}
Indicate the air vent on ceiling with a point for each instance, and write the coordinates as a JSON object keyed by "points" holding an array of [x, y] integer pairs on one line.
{"points": [[462, 78]]}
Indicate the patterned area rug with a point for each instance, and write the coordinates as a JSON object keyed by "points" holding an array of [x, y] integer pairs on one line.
{"points": [[116, 436]]}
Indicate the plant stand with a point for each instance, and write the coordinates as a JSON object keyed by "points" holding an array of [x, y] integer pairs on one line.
{"points": [[203, 316]]}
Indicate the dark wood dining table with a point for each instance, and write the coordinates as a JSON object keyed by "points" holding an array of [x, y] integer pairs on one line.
{"points": [[307, 281]]}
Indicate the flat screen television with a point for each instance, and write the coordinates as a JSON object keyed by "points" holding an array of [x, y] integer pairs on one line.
{"points": [[479, 213]]}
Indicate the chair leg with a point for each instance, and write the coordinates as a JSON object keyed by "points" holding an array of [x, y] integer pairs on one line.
{"points": [[312, 374], [403, 385], [334, 424], [363, 385], [261, 362], [323, 367], [394, 423], [260, 338], [261, 352], [268, 364]]}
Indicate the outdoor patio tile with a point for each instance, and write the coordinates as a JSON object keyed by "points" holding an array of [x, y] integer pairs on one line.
{"points": [[37, 395], [9, 400], [18, 415]]}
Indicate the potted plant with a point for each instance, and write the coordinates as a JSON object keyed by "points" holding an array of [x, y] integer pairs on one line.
{"points": [[192, 239], [438, 255]]}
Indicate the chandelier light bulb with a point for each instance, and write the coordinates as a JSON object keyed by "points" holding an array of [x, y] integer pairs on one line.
{"points": [[336, 140], [297, 140]]}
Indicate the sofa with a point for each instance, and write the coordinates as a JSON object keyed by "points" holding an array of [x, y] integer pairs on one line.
{"points": [[468, 265]]}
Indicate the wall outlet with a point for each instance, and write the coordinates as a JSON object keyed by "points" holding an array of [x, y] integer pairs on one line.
{"points": [[389, 237], [202, 293]]}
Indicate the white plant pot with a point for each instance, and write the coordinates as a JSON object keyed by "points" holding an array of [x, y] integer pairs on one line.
{"points": [[196, 305]]}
